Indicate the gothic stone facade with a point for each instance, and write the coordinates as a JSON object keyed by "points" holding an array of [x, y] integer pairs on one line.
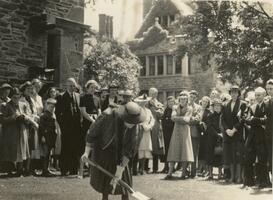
{"points": [[157, 50], [41, 38]]}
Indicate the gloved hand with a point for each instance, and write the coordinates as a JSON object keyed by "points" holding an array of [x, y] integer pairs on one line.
{"points": [[118, 176]]}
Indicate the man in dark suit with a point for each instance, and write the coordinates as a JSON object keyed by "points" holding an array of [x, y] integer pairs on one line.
{"points": [[256, 142], [269, 121], [69, 118], [233, 135]]}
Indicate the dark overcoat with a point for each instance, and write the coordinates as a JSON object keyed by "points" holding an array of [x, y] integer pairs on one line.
{"points": [[111, 141], [167, 127], [156, 132], [69, 118], [15, 136], [233, 145]]}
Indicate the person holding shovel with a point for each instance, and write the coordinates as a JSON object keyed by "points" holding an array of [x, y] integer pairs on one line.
{"points": [[111, 140]]}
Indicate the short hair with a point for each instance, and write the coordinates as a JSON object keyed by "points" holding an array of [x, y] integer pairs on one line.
{"points": [[153, 89], [269, 82], [260, 90], [91, 82], [71, 79], [170, 98], [206, 98]]}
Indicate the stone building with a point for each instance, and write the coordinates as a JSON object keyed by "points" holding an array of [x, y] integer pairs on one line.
{"points": [[41, 38], [157, 46]]}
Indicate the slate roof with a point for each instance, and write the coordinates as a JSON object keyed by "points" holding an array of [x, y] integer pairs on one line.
{"points": [[165, 7]]}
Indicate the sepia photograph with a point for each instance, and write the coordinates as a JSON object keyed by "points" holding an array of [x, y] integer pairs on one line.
{"points": [[136, 99]]}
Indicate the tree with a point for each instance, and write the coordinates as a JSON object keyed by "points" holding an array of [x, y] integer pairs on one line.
{"points": [[111, 62], [243, 42]]}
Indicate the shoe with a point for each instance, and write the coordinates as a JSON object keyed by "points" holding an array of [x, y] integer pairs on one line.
{"points": [[47, 174], [183, 177], [209, 178], [192, 176], [239, 181], [73, 172], [64, 173], [220, 176], [168, 177], [80, 177], [27, 174]]}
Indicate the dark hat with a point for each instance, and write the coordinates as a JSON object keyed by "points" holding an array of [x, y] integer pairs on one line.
{"points": [[5, 86], [132, 113], [25, 85], [14, 91], [194, 92], [235, 88], [51, 101], [113, 86]]}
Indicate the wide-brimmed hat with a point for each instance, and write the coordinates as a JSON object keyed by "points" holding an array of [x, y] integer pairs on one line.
{"points": [[128, 93], [142, 99], [5, 86], [132, 113]]}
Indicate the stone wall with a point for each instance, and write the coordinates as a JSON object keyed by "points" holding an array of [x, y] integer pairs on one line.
{"points": [[20, 47]]}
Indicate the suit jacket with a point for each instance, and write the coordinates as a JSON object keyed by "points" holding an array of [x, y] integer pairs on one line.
{"points": [[257, 123], [231, 120], [269, 115], [66, 116], [195, 120]]}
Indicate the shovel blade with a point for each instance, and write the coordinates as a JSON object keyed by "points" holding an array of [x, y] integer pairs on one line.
{"points": [[140, 196]]}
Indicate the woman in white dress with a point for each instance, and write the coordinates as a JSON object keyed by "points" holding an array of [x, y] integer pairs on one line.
{"points": [[145, 145], [180, 149]]}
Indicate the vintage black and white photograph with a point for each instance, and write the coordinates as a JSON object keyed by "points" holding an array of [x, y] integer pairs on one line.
{"points": [[136, 99]]}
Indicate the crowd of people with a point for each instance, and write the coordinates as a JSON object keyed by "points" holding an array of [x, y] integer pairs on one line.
{"points": [[230, 131]]}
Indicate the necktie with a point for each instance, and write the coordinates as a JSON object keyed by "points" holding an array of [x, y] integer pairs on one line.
{"points": [[74, 104]]}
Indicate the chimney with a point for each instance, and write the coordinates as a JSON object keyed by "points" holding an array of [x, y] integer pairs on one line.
{"points": [[106, 25]]}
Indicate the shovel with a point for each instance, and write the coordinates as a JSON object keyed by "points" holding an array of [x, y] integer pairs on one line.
{"points": [[135, 194]]}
